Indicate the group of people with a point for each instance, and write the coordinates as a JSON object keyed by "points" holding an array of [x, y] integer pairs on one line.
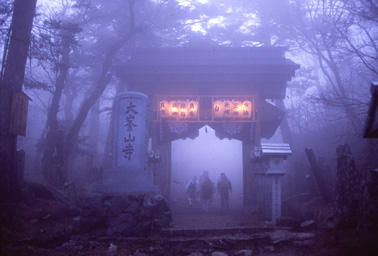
{"points": [[201, 190]]}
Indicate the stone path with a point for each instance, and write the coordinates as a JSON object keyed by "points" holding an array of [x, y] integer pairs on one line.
{"points": [[216, 219]]}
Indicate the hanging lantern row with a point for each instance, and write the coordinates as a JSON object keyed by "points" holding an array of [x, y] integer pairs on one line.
{"points": [[228, 109], [178, 110]]}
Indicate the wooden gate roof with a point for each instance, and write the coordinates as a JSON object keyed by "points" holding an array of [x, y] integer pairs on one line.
{"points": [[219, 70]]}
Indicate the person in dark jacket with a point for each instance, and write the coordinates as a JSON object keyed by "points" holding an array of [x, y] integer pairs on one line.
{"points": [[224, 187], [206, 192]]}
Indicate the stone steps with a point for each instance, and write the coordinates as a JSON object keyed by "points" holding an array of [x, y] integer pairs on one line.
{"points": [[216, 232], [225, 241], [221, 241]]}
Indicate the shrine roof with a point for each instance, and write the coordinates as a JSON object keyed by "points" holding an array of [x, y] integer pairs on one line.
{"points": [[264, 68], [207, 56]]}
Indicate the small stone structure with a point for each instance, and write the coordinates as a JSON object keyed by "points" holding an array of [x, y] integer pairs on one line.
{"points": [[126, 202], [271, 158]]}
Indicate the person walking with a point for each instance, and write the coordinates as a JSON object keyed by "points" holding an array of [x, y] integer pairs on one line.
{"points": [[206, 192], [224, 187], [192, 189]]}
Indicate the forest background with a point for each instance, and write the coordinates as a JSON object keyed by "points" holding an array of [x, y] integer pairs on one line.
{"points": [[75, 43]]}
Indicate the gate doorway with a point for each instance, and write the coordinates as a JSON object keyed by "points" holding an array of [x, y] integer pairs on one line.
{"points": [[207, 152]]}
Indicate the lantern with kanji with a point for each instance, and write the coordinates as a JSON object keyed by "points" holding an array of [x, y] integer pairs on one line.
{"points": [[236, 110], [192, 110], [246, 109], [218, 109], [164, 109], [228, 105], [183, 110], [173, 110]]}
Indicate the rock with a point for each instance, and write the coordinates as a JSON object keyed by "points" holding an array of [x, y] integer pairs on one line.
{"points": [[244, 253], [304, 243], [67, 245], [47, 216], [124, 215], [28, 240], [137, 253], [205, 251], [39, 190], [66, 195], [93, 244], [118, 205], [92, 219], [269, 248], [34, 221], [112, 250], [78, 248], [309, 225], [134, 207], [278, 236], [331, 223], [303, 236], [122, 224], [156, 207], [288, 222], [219, 254], [195, 254]]}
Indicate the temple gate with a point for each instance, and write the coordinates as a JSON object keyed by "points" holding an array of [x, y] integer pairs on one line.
{"points": [[224, 88]]}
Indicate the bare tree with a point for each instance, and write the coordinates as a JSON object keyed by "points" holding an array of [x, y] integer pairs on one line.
{"points": [[362, 34], [59, 143]]}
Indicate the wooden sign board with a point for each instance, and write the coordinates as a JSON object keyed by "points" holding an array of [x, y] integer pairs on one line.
{"points": [[19, 113]]}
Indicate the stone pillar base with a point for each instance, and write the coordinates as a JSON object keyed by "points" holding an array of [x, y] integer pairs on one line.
{"points": [[125, 189], [117, 182]]}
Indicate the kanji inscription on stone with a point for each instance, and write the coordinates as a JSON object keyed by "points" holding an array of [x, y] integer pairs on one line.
{"points": [[129, 140]]}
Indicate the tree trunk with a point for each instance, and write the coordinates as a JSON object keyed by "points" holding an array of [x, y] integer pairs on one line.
{"points": [[11, 82], [102, 82], [53, 168]]}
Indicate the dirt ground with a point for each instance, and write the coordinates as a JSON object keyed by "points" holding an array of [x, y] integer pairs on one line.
{"points": [[45, 226]]}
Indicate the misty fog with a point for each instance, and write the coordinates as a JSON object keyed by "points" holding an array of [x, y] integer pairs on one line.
{"points": [[206, 153], [309, 67]]}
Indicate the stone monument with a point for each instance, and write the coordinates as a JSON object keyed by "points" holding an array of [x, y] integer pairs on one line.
{"points": [[129, 173], [126, 203]]}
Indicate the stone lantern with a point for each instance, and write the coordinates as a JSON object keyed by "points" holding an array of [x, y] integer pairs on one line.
{"points": [[274, 155]]}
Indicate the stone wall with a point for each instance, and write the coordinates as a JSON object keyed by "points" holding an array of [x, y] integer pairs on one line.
{"points": [[124, 215]]}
